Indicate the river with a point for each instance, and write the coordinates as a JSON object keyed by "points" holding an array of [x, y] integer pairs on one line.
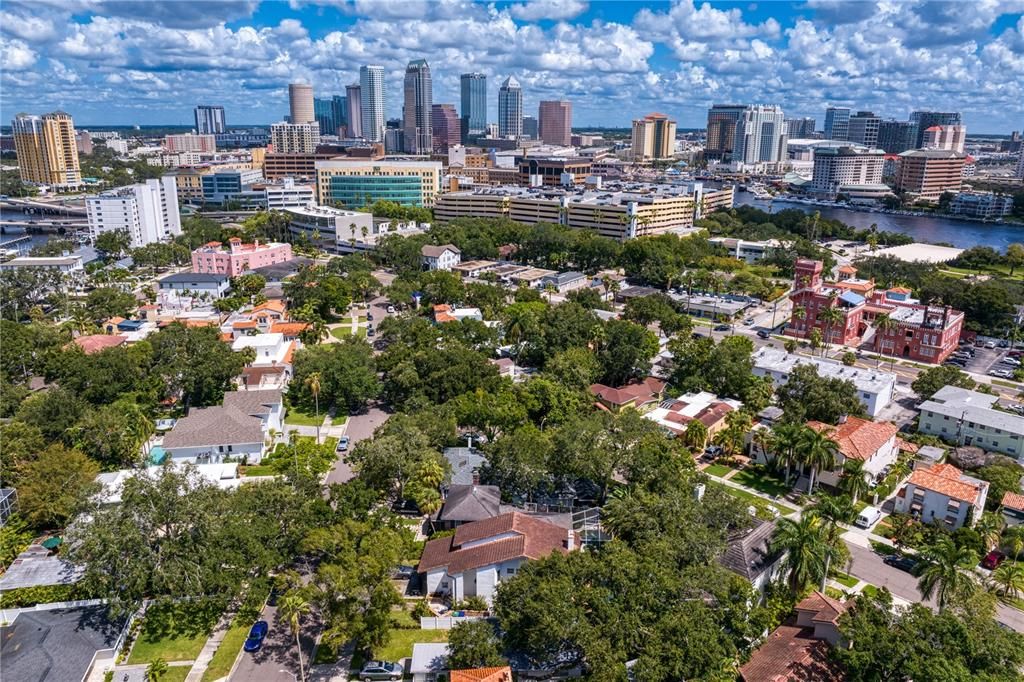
{"points": [[933, 230]]}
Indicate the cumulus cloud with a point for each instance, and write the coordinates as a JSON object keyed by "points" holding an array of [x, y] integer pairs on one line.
{"points": [[535, 10]]}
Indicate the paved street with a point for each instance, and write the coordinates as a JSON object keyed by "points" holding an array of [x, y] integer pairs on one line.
{"points": [[277, 660]]}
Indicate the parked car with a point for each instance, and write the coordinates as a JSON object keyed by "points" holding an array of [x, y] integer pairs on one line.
{"points": [[342, 444], [722, 327], [257, 633], [868, 517], [370, 332], [369, 316], [749, 321], [391, 310], [990, 344], [763, 334], [904, 563], [993, 559], [713, 450], [403, 573], [696, 335], [1001, 373], [382, 670]]}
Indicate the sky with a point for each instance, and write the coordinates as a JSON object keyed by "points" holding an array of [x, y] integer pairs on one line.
{"points": [[150, 62]]}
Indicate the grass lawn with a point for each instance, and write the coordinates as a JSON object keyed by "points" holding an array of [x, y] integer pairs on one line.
{"points": [[331, 442], [174, 632], [869, 590], [759, 503], [341, 332], [719, 470], [762, 482], [296, 417], [846, 580], [339, 419], [360, 332], [228, 650], [259, 470], [178, 673], [400, 644]]}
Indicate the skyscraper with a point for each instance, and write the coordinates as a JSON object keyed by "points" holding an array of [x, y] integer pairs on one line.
{"points": [[295, 138], [760, 136], [654, 137], [556, 122], [445, 126], [863, 129], [474, 104], [945, 137], [837, 123], [721, 135], [210, 120], [897, 136], [300, 102], [353, 111], [927, 119], [419, 99], [47, 152], [800, 128], [530, 127], [371, 87], [510, 109], [330, 113]]}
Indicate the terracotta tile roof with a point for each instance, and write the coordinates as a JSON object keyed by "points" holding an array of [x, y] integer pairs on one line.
{"points": [[94, 343], [521, 537], [289, 328], [947, 480], [1013, 501], [714, 413], [638, 391], [116, 319], [847, 269], [500, 674], [275, 306], [825, 608], [900, 290], [858, 438], [226, 337], [290, 354], [244, 324], [791, 654], [906, 445]]}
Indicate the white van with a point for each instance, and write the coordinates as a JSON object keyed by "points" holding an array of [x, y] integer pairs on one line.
{"points": [[868, 517]]}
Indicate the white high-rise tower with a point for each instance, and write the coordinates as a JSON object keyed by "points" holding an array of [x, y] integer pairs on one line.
{"points": [[371, 90], [510, 109]]}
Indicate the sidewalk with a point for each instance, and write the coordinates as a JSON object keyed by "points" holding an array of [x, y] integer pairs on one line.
{"points": [[202, 661]]}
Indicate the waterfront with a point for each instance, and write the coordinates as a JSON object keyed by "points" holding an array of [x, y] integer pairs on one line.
{"points": [[926, 229]]}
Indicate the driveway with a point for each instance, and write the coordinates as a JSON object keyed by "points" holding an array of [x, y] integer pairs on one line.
{"points": [[357, 428]]}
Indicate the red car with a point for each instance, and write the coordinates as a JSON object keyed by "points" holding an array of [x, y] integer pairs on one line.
{"points": [[992, 559]]}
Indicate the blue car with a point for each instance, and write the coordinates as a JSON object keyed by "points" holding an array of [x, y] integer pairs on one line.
{"points": [[256, 636]]}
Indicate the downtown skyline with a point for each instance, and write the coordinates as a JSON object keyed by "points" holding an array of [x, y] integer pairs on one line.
{"points": [[135, 63]]}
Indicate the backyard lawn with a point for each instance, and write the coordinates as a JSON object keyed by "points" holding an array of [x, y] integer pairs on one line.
{"points": [[297, 417], [259, 470], [761, 482], [177, 673], [174, 632], [719, 470], [759, 503], [228, 650], [400, 644]]}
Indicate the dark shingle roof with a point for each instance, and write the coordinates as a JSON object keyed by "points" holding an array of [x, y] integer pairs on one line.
{"points": [[194, 278], [471, 503], [463, 462], [748, 554], [56, 645]]}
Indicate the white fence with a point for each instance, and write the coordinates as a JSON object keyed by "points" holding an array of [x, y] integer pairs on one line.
{"points": [[445, 622]]}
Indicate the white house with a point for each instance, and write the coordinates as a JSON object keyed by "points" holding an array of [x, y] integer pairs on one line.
{"points": [[873, 443], [943, 494], [239, 429], [68, 265], [272, 350], [970, 418], [183, 289], [481, 554], [443, 257], [749, 555], [224, 476]]}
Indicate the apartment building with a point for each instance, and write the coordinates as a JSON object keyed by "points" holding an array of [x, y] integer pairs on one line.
{"points": [[654, 137], [47, 150], [942, 494], [234, 260], [190, 143], [295, 138], [147, 211], [966, 417], [927, 173]]}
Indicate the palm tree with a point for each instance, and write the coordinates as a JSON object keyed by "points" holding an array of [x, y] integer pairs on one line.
{"points": [[313, 384], [156, 669], [1014, 539], [883, 325], [833, 511], [817, 451], [292, 607], [805, 543], [786, 440], [696, 435], [945, 571], [853, 482], [1008, 581], [990, 528], [831, 316]]}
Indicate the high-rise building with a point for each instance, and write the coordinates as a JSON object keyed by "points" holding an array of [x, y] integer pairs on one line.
{"points": [[945, 137], [654, 137], [210, 120], [835, 167], [46, 148], [800, 128], [353, 113], [760, 137], [473, 88], [555, 122], [531, 127], [419, 98], [147, 211], [371, 87], [510, 110], [837, 123], [295, 138], [83, 141], [928, 173], [895, 137], [300, 103], [330, 113], [190, 143], [445, 127], [721, 135], [927, 119], [863, 129], [1020, 164]]}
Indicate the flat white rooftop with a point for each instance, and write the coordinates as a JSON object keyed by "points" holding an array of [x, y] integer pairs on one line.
{"points": [[925, 253], [867, 380]]}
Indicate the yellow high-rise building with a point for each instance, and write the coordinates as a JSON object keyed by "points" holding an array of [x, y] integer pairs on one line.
{"points": [[47, 153], [654, 137]]}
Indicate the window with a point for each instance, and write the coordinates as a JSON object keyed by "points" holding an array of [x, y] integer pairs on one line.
{"points": [[510, 571]]}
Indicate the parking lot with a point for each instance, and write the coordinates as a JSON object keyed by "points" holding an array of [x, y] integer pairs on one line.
{"points": [[985, 360]]}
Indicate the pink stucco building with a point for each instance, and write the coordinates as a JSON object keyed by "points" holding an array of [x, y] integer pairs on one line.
{"points": [[213, 258]]}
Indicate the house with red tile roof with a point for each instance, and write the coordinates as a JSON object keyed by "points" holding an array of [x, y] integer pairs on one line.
{"points": [[1012, 507], [873, 443], [94, 343], [481, 554], [496, 674], [707, 408], [797, 651], [942, 494], [640, 395]]}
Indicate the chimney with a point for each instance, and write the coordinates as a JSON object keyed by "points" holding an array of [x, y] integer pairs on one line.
{"points": [[469, 442], [570, 540], [842, 418]]}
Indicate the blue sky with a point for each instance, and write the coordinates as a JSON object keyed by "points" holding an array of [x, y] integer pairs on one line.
{"points": [[125, 62]]}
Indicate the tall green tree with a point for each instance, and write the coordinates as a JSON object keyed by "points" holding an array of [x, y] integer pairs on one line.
{"points": [[193, 363], [54, 486], [473, 644], [945, 572], [817, 451], [805, 542]]}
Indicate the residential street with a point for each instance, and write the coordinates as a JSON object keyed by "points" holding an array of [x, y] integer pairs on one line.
{"points": [[277, 659], [357, 428]]}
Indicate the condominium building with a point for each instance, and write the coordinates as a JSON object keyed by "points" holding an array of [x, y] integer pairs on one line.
{"points": [[46, 148], [945, 137], [654, 137], [863, 129], [333, 225], [188, 142], [721, 135], [354, 110], [417, 112], [760, 141], [147, 211], [837, 123], [896, 137], [277, 166], [926, 119], [295, 138], [225, 185], [555, 122], [445, 127], [473, 92], [1020, 165], [985, 205], [83, 142], [927, 173], [836, 167], [361, 182], [300, 103], [510, 110], [210, 120], [800, 128], [371, 88], [212, 258], [966, 417]]}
